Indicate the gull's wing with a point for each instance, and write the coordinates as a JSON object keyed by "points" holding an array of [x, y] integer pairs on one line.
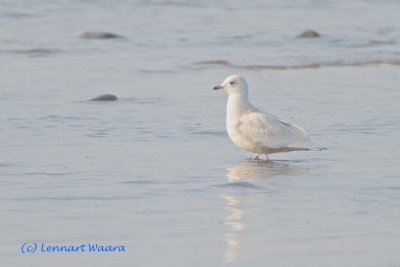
{"points": [[271, 132]]}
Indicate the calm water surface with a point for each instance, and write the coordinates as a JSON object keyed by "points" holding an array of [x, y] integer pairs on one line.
{"points": [[156, 172]]}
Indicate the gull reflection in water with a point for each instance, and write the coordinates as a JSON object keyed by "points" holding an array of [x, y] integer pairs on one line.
{"points": [[242, 176], [257, 170]]}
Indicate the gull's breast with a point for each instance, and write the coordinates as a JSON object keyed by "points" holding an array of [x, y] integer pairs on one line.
{"points": [[240, 140]]}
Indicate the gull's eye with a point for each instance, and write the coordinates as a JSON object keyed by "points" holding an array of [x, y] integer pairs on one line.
{"points": [[232, 82]]}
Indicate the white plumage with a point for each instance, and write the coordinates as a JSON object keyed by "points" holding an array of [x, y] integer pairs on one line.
{"points": [[255, 131]]}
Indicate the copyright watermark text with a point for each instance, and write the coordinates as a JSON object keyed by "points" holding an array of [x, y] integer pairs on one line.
{"points": [[35, 247]]}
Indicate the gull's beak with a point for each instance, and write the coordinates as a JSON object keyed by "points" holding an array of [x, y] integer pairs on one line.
{"points": [[218, 87]]}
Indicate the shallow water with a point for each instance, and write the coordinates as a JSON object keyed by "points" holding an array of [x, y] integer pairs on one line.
{"points": [[156, 172]]}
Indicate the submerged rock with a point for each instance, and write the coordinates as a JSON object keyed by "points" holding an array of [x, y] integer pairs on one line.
{"points": [[105, 97], [99, 35], [309, 34]]}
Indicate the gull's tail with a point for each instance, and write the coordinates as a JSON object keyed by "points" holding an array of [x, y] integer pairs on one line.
{"points": [[309, 146], [315, 147]]}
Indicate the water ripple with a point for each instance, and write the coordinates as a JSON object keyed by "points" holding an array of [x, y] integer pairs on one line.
{"points": [[240, 185], [316, 65], [36, 52]]}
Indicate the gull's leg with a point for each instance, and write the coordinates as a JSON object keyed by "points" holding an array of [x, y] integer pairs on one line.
{"points": [[255, 156], [266, 157]]}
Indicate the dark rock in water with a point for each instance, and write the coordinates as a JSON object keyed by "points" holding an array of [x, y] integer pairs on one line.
{"points": [[99, 35], [106, 97], [309, 34]]}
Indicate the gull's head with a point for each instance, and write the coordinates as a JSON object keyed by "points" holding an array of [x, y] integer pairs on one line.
{"points": [[234, 84]]}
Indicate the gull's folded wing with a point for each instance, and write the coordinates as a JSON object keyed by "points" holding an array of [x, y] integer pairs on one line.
{"points": [[271, 132]]}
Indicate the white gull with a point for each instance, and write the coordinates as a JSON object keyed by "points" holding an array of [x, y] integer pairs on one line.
{"points": [[256, 131]]}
